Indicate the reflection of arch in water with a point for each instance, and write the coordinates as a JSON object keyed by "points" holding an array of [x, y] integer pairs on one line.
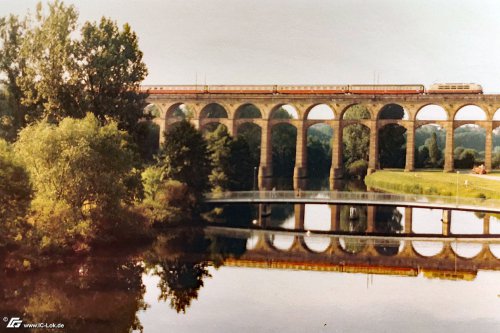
{"points": [[494, 225], [317, 244], [427, 248], [466, 250], [282, 216], [389, 220], [314, 219], [495, 250], [280, 242], [466, 223], [353, 218], [427, 221], [353, 245], [252, 242]]}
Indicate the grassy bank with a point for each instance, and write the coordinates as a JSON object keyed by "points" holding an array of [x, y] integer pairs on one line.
{"points": [[434, 183]]}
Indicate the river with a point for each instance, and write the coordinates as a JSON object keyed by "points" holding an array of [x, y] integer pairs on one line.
{"points": [[293, 268]]}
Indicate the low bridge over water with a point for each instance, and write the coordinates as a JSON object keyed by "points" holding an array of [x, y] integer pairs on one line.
{"points": [[355, 198]]}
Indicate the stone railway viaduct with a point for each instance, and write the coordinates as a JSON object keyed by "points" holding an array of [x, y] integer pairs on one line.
{"points": [[267, 104]]}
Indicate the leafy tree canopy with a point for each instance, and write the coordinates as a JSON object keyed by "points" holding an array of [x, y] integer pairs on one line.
{"points": [[185, 158], [53, 71]]}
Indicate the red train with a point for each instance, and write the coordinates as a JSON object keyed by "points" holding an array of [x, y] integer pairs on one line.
{"points": [[362, 89]]}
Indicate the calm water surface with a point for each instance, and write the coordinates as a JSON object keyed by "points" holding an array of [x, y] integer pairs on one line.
{"points": [[279, 277]]}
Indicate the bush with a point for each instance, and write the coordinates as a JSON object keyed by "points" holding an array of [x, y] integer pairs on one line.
{"points": [[15, 193], [172, 202], [79, 171], [357, 169]]}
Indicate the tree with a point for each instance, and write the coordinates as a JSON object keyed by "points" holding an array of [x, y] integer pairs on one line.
{"points": [[110, 69], [8, 127], [15, 193], [319, 154], [79, 172], [184, 157], [392, 152], [53, 73], [251, 134], [241, 171], [464, 158], [219, 144], [434, 153], [13, 66], [355, 138], [50, 85], [388, 221], [283, 139]]}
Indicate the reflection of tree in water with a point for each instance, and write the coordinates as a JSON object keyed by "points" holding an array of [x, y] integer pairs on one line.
{"points": [[239, 215], [280, 213], [353, 223], [180, 282], [181, 259], [388, 221], [178, 259], [97, 295]]}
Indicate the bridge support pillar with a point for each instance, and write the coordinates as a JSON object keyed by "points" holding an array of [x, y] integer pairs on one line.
{"points": [[408, 220], [265, 168], [486, 224], [336, 171], [373, 150], [410, 147], [231, 127], [488, 146], [334, 218], [371, 211], [300, 170], [446, 222], [299, 210], [160, 122], [264, 214], [448, 151]]}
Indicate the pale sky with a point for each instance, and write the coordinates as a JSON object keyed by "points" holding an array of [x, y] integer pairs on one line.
{"points": [[308, 41]]}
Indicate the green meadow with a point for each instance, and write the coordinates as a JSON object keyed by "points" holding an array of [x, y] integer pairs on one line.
{"points": [[435, 183]]}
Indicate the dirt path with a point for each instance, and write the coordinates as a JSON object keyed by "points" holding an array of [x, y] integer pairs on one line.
{"points": [[495, 178]]}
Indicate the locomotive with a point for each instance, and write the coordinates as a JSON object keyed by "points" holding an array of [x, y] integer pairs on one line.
{"points": [[360, 89]]}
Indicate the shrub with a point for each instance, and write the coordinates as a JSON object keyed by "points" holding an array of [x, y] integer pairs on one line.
{"points": [[15, 193], [172, 202], [79, 171], [357, 168]]}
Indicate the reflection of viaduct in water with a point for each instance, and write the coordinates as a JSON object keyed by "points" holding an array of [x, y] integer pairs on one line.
{"points": [[368, 259], [267, 104]]}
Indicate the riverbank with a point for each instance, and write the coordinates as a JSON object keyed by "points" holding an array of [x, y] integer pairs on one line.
{"points": [[435, 183]]}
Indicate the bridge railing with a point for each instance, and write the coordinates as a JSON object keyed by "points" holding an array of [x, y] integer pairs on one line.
{"points": [[296, 196]]}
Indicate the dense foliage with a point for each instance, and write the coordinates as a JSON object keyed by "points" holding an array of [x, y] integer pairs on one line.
{"points": [[355, 140], [15, 194], [185, 157], [80, 172], [53, 71]]}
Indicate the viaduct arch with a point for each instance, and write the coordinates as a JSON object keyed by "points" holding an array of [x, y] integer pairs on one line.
{"points": [[266, 104]]}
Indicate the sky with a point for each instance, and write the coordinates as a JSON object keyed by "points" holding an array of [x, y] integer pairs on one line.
{"points": [[307, 41]]}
